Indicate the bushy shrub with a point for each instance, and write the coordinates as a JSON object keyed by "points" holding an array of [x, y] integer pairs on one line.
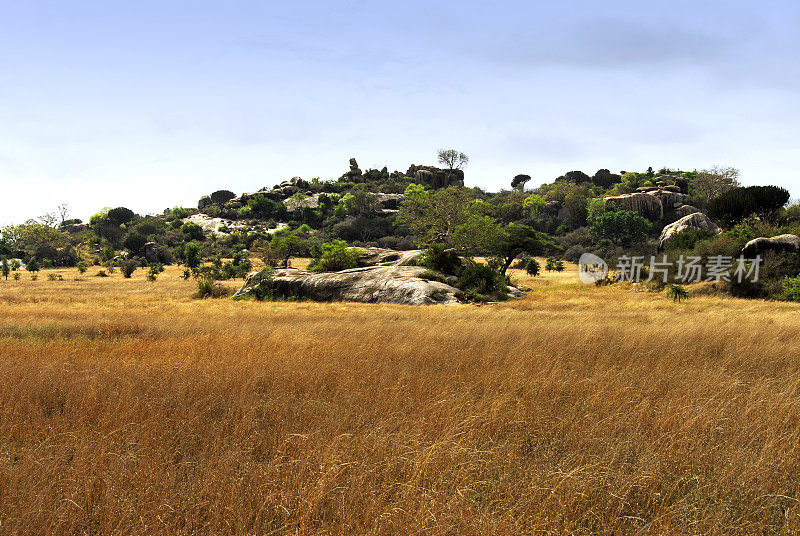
{"points": [[442, 258], [207, 287], [82, 267], [677, 292], [220, 197], [481, 278], [739, 203], [192, 231], [155, 270], [688, 239], [622, 227], [335, 256], [128, 267], [791, 289], [120, 215]]}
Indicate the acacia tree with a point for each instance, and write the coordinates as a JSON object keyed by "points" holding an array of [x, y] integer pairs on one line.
{"points": [[711, 183], [434, 216], [453, 159], [517, 239], [518, 182]]}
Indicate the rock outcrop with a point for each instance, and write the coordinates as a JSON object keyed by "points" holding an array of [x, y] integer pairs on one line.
{"points": [[646, 205], [382, 256], [436, 177], [696, 220], [354, 172], [204, 202], [151, 252], [685, 210], [785, 242], [372, 284]]}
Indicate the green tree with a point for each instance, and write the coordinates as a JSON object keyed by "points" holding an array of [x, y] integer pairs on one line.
{"points": [[434, 216], [452, 158], [191, 255], [517, 239], [735, 205], [6, 269], [32, 265], [120, 215], [622, 227], [519, 181], [82, 267], [711, 183], [220, 197]]}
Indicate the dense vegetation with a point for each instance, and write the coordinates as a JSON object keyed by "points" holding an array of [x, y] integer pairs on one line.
{"points": [[566, 218]]}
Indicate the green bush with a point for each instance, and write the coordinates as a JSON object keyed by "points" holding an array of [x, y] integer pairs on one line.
{"points": [[622, 227], [335, 256], [481, 278], [442, 258], [677, 293], [791, 289], [128, 267], [82, 267]]}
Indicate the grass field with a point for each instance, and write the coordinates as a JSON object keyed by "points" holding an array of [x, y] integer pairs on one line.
{"points": [[126, 407]]}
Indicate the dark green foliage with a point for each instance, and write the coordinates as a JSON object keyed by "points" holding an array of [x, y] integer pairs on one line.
{"points": [[191, 255], [442, 258], [120, 215], [529, 264], [82, 267], [220, 197], [577, 177], [677, 292], [155, 270], [128, 267], [480, 279], [517, 239], [32, 265], [791, 289], [622, 227], [688, 239], [735, 205], [518, 182], [192, 231], [6, 268], [134, 242], [605, 179]]}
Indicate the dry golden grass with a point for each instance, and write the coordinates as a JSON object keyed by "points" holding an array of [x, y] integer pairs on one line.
{"points": [[129, 408]]}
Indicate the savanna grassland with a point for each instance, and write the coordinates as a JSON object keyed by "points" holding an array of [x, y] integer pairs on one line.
{"points": [[127, 407]]}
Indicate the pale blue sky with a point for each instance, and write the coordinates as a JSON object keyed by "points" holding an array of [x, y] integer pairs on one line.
{"points": [[152, 104]]}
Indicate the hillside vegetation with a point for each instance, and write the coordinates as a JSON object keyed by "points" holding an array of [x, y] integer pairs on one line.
{"points": [[129, 408]]}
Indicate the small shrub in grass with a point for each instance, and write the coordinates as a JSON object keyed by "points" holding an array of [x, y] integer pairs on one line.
{"points": [[128, 267], [155, 270], [17, 276], [82, 267], [207, 287], [677, 293], [34, 277], [529, 264], [791, 289], [101, 273]]}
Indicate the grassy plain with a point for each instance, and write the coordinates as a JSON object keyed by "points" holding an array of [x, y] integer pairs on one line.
{"points": [[126, 407]]}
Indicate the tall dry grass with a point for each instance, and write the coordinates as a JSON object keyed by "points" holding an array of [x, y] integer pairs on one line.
{"points": [[128, 408]]}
